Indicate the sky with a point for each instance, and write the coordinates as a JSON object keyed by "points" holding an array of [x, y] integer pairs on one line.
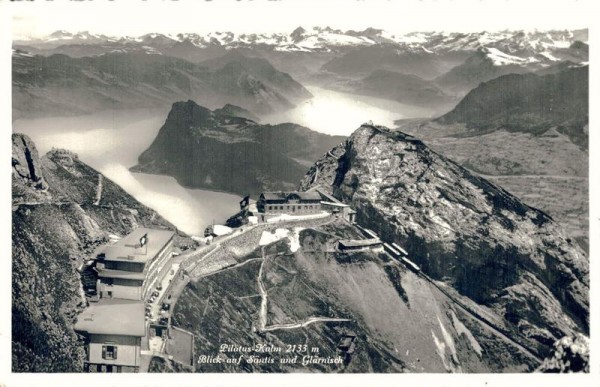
{"points": [[137, 17]]}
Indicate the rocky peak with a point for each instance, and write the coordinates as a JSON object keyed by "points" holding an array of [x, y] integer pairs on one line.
{"points": [[579, 45], [185, 114], [462, 230], [297, 34], [26, 162], [229, 110]]}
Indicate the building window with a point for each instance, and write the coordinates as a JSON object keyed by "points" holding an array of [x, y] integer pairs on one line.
{"points": [[109, 352]]}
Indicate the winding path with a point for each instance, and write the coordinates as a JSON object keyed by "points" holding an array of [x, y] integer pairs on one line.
{"points": [[98, 190], [307, 322], [262, 321], [262, 318]]}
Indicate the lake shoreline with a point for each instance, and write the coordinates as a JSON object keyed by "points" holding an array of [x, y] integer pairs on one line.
{"points": [[111, 142]]}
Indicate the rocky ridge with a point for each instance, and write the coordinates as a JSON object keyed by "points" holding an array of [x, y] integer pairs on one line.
{"points": [[528, 103], [464, 231], [217, 150], [62, 85]]}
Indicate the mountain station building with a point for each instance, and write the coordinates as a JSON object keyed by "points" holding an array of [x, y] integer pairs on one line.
{"points": [[291, 203], [129, 268]]}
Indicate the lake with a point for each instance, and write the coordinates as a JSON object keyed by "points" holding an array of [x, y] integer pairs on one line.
{"points": [[338, 113], [111, 142]]}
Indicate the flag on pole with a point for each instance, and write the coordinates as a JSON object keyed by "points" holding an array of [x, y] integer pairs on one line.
{"points": [[245, 203], [144, 239]]}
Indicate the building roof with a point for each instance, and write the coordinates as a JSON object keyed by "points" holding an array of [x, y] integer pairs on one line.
{"points": [[113, 317], [269, 196], [335, 204], [326, 195], [359, 242], [284, 196], [309, 195], [125, 250], [399, 248]]}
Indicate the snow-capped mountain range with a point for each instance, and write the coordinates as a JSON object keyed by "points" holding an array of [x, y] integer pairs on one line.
{"points": [[504, 46]]}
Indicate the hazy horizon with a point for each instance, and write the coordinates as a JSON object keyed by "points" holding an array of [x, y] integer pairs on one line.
{"points": [[240, 17], [174, 34]]}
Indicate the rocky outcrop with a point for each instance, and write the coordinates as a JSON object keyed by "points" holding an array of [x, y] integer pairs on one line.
{"points": [[57, 224], [463, 231], [220, 151], [236, 111], [571, 354], [27, 171]]}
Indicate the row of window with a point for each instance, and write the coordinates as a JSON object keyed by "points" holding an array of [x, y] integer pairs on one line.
{"points": [[125, 266], [293, 208], [122, 282]]}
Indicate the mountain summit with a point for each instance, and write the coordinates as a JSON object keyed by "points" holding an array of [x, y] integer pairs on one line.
{"points": [[510, 260]]}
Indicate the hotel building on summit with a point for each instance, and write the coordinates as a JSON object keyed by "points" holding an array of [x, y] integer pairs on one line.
{"points": [[292, 203], [129, 268], [114, 325]]}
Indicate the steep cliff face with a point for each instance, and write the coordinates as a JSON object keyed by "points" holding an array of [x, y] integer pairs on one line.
{"points": [[463, 231], [62, 211], [28, 179]]}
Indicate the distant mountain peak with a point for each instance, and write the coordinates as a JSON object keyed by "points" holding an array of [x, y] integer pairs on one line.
{"points": [[528, 103], [327, 39], [297, 34], [60, 34]]}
